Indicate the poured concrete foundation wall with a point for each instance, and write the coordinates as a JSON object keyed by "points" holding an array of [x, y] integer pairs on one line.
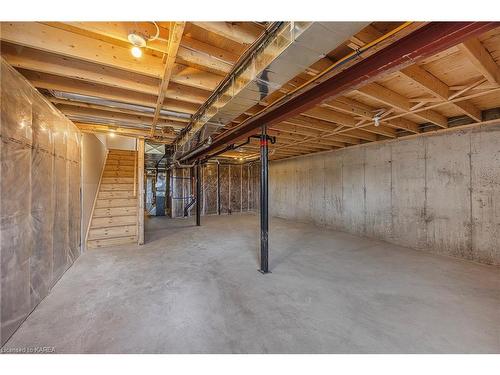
{"points": [[439, 193], [39, 198]]}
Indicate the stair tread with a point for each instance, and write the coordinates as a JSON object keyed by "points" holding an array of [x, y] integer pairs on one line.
{"points": [[120, 194], [111, 242], [114, 220], [115, 205], [117, 183], [108, 187], [118, 151], [112, 232], [132, 221], [118, 199], [115, 212]]}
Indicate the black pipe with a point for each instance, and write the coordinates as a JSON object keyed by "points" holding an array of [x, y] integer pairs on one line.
{"points": [[198, 194], [231, 147], [218, 189], [167, 151], [190, 204], [225, 149], [264, 218]]}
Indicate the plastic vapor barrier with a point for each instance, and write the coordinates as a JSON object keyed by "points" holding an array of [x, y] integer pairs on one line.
{"points": [[232, 187], [39, 198]]}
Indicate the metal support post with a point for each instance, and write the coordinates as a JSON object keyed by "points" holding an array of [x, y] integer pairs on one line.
{"points": [[264, 218], [198, 194]]}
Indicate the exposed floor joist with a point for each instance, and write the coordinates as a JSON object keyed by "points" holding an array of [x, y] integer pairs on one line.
{"points": [[93, 58], [173, 46]]}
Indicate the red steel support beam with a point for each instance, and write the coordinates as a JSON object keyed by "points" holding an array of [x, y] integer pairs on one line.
{"points": [[422, 43]]}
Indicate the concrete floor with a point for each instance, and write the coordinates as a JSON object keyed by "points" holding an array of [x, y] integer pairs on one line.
{"points": [[197, 290]]}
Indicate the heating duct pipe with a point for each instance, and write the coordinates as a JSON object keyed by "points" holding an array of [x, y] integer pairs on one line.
{"points": [[283, 51], [424, 42], [204, 146], [427, 41]]}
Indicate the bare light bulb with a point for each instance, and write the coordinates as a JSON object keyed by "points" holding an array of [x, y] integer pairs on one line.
{"points": [[136, 51]]}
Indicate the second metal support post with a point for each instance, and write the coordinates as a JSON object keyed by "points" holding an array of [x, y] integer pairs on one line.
{"points": [[264, 194], [198, 194]]}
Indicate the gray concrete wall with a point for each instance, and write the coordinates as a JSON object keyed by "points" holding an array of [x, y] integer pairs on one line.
{"points": [[439, 193]]}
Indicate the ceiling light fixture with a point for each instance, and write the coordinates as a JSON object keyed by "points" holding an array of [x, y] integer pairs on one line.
{"points": [[378, 116], [138, 41], [136, 51]]}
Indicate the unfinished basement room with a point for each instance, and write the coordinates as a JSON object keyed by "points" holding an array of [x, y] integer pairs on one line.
{"points": [[250, 187]]}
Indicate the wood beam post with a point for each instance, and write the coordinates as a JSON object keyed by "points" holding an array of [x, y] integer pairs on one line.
{"points": [[140, 191]]}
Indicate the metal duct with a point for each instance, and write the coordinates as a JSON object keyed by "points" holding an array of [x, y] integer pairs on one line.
{"points": [[154, 148], [115, 104], [290, 50], [99, 120]]}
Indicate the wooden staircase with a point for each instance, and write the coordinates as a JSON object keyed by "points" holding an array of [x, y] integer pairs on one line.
{"points": [[114, 218]]}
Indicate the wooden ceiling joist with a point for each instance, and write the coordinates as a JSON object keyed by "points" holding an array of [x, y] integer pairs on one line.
{"points": [[114, 129], [28, 59], [94, 59], [240, 32], [191, 52], [65, 43], [481, 59], [173, 46], [438, 88], [426, 81], [390, 98], [70, 45], [347, 105], [365, 76], [49, 82]]}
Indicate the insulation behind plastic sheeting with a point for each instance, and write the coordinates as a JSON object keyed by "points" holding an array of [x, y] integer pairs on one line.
{"points": [[244, 188], [40, 198], [254, 185], [210, 189], [177, 193], [224, 188], [235, 175], [235, 185], [150, 204], [180, 190], [188, 190]]}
